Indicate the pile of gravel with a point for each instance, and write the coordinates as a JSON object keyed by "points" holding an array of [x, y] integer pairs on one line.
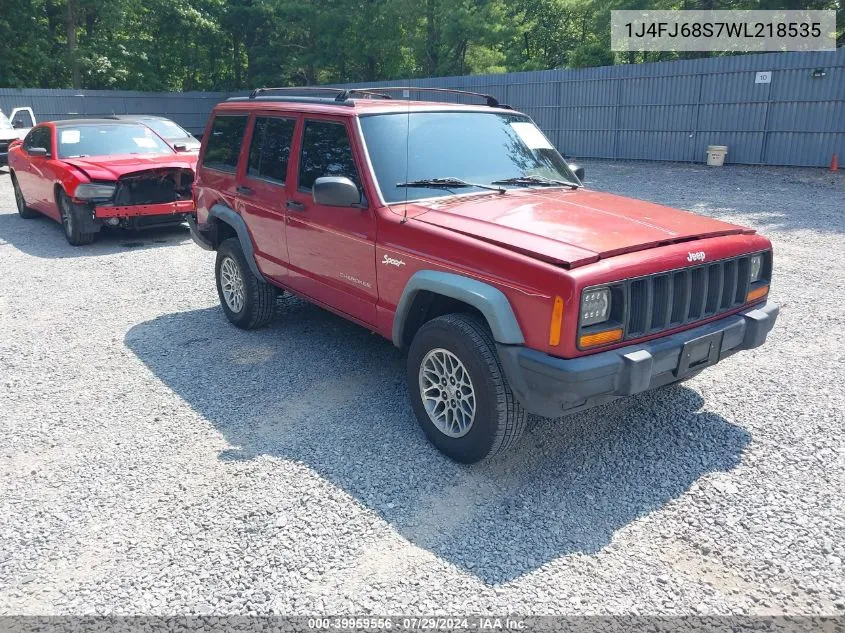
{"points": [[155, 460]]}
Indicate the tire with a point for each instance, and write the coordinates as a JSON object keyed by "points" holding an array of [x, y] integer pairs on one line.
{"points": [[71, 222], [24, 211], [497, 421], [254, 305]]}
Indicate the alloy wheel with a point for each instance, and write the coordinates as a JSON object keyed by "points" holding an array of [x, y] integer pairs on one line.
{"points": [[67, 215], [447, 392], [232, 284], [19, 197]]}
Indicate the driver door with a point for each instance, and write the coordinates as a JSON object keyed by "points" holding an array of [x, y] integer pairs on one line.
{"points": [[35, 176], [331, 249]]}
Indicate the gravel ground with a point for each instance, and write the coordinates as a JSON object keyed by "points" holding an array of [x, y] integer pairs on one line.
{"points": [[155, 460]]}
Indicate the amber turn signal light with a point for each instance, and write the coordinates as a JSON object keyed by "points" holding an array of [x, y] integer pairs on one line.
{"points": [[557, 322], [600, 338], [762, 291]]}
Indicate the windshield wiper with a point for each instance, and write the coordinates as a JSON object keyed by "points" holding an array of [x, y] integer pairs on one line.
{"points": [[447, 183], [542, 181]]}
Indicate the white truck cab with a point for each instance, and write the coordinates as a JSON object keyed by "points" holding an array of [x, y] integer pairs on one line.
{"points": [[16, 126]]}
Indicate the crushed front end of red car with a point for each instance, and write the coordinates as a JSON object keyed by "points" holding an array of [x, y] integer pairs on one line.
{"points": [[164, 193]]}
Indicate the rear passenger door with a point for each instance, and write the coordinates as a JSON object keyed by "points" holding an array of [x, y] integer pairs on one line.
{"points": [[331, 249], [219, 163], [261, 191]]}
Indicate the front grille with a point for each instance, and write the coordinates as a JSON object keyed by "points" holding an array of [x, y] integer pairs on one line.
{"points": [[4, 147], [668, 300]]}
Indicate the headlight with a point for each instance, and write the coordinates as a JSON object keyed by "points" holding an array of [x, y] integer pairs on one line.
{"points": [[756, 267], [595, 306], [90, 191]]}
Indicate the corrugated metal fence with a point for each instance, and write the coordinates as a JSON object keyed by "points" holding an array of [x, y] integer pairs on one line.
{"points": [[660, 111], [674, 110], [189, 109]]}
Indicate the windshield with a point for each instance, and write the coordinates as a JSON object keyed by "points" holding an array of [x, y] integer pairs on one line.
{"points": [[4, 123], [167, 129], [476, 147], [109, 139]]}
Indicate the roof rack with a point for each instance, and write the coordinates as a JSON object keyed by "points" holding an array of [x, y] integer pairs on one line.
{"points": [[492, 101], [342, 93]]}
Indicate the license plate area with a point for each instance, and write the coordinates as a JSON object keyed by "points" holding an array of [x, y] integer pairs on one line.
{"points": [[699, 353]]}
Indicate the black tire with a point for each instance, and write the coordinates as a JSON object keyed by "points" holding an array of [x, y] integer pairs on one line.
{"points": [[24, 211], [499, 419], [258, 302], [71, 221]]}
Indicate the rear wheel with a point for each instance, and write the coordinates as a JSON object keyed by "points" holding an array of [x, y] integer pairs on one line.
{"points": [[459, 392], [248, 302], [24, 211], [71, 221]]}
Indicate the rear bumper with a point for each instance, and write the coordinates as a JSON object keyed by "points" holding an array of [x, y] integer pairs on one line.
{"points": [[180, 207], [199, 236], [552, 387]]}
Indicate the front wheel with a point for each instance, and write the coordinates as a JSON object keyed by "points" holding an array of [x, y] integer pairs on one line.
{"points": [[248, 302], [71, 222], [459, 392], [24, 211]]}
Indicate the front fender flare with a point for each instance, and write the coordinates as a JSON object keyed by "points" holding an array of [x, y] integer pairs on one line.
{"points": [[223, 213], [490, 301]]}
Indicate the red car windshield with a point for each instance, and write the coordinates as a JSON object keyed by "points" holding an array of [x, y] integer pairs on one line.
{"points": [[108, 139]]}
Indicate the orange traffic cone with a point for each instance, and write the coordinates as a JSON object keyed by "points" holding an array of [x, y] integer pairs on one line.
{"points": [[834, 163]]}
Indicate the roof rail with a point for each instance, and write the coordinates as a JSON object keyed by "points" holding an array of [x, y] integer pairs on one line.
{"points": [[492, 101], [342, 93]]}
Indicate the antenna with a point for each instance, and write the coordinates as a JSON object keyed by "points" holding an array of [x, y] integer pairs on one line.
{"points": [[407, 93]]}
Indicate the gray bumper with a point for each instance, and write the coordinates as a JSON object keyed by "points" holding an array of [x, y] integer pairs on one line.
{"points": [[197, 235], [552, 387], [4, 159]]}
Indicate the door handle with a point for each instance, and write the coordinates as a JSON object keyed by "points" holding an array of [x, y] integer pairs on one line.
{"points": [[246, 191], [293, 205]]}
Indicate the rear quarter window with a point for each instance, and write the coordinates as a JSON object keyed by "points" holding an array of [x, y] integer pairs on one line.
{"points": [[224, 142]]}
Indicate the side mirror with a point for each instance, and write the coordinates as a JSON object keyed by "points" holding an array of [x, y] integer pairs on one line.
{"points": [[180, 147], [336, 191], [37, 151], [577, 170], [18, 124]]}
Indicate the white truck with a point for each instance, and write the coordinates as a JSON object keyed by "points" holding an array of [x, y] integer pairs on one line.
{"points": [[14, 127]]}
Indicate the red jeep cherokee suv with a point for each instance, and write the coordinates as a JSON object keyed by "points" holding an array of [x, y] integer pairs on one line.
{"points": [[460, 233]]}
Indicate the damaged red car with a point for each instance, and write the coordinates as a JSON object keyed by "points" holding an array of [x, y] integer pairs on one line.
{"points": [[91, 173]]}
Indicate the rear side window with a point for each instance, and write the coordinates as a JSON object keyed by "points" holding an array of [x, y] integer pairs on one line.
{"points": [[325, 152], [224, 142], [23, 119], [269, 151]]}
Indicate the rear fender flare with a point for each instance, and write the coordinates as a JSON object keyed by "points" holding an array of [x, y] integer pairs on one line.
{"points": [[222, 213], [490, 301]]}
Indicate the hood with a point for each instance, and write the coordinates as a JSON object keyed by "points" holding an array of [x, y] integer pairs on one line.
{"points": [[570, 228], [113, 167]]}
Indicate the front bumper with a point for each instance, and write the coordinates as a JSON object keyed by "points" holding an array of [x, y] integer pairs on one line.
{"points": [[552, 387], [131, 211], [4, 159]]}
